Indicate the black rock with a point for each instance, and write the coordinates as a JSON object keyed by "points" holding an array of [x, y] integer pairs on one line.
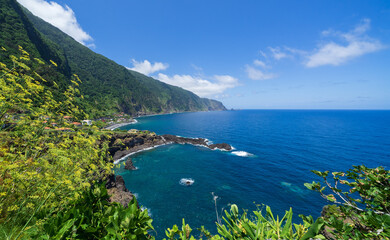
{"points": [[223, 146], [120, 183], [129, 165]]}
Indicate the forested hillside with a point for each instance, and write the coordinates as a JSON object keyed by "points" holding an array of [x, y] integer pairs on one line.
{"points": [[107, 86]]}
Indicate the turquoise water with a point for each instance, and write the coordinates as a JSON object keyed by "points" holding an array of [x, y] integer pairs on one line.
{"points": [[278, 148]]}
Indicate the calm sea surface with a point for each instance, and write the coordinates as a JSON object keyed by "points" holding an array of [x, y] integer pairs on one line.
{"points": [[274, 153]]}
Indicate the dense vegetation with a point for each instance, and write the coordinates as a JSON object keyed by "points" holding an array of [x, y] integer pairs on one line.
{"points": [[107, 86]]}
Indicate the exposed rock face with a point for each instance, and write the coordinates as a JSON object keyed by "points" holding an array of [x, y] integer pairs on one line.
{"points": [[117, 190], [122, 144], [196, 141], [182, 140], [222, 146], [129, 165]]}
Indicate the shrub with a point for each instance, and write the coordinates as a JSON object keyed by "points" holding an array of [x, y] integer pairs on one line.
{"points": [[262, 227], [362, 196], [94, 217]]}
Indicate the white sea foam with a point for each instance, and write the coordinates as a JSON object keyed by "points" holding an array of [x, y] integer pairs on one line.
{"points": [[136, 195], [128, 155], [186, 181], [220, 149], [149, 211], [242, 154], [118, 125]]}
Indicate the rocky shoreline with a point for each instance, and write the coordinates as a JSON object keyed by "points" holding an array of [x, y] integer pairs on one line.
{"points": [[122, 145]]}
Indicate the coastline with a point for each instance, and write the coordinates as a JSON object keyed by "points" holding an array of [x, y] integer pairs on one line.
{"points": [[118, 125], [159, 114], [123, 145]]}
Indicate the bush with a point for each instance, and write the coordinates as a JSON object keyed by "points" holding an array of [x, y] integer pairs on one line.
{"points": [[362, 196], [262, 227], [94, 217]]}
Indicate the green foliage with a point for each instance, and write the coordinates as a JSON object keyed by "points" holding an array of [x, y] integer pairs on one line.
{"points": [[42, 168], [94, 217], [363, 198], [262, 227]]}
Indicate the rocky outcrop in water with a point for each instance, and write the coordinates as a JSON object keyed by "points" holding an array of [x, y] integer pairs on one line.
{"points": [[196, 141], [129, 165], [122, 144], [183, 140], [221, 146]]}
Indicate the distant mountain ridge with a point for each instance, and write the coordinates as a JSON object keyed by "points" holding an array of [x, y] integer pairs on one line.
{"points": [[107, 86]]}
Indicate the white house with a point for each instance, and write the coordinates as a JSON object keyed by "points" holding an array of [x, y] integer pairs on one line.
{"points": [[86, 122]]}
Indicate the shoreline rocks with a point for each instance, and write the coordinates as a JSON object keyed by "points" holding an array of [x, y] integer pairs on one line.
{"points": [[196, 141], [123, 144], [117, 190]]}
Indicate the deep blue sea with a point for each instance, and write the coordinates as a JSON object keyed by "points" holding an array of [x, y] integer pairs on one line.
{"points": [[278, 149]]}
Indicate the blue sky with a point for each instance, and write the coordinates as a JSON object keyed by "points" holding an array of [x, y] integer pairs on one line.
{"points": [[247, 54]]}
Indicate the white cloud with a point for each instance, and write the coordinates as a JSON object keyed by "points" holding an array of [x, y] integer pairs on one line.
{"points": [[263, 54], [356, 43], [59, 16], [259, 63], [256, 74], [148, 68], [199, 85], [277, 53]]}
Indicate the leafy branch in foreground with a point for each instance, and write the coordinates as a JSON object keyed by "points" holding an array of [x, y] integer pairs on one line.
{"points": [[363, 198], [94, 217], [261, 227]]}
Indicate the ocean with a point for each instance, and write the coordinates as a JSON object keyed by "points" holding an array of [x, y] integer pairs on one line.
{"points": [[274, 153]]}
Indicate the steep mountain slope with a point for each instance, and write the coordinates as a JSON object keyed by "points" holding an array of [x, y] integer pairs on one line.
{"points": [[107, 86], [16, 29]]}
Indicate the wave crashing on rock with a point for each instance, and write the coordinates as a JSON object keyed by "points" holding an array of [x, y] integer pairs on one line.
{"points": [[186, 181], [242, 154]]}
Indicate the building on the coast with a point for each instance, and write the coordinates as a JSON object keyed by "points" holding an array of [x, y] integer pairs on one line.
{"points": [[86, 122], [77, 124]]}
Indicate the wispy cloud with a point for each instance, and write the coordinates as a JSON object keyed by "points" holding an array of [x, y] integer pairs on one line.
{"points": [[259, 63], [257, 74], [199, 85], [277, 53], [59, 16], [355, 43], [148, 68]]}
